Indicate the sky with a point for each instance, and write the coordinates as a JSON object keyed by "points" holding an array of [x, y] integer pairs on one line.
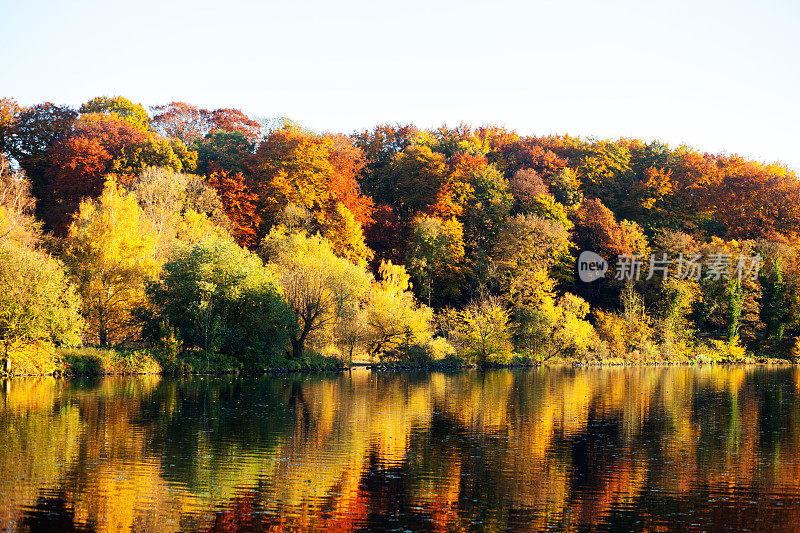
{"points": [[719, 76]]}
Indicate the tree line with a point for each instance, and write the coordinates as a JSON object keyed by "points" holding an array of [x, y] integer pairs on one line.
{"points": [[206, 235]]}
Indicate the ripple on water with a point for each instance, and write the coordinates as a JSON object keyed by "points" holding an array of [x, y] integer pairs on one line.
{"points": [[608, 449]]}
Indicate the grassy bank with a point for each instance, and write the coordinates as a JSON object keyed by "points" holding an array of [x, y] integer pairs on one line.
{"points": [[99, 361], [93, 361]]}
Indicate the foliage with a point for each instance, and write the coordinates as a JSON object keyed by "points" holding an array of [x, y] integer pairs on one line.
{"points": [[486, 208], [293, 167], [38, 305], [99, 361], [110, 252], [469, 210], [527, 250], [240, 204], [436, 247], [629, 334], [222, 151], [219, 298], [565, 188], [729, 305], [556, 329], [392, 315], [412, 181], [180, 207], [187, 122], [31, 132], [777, 310], [100, 144], [318, 286], [526, 184], [597, 230], [17, 220], [118, 107], [482, 331]]}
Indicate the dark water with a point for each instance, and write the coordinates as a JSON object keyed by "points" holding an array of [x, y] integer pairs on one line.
{"points": [[638, 449]]}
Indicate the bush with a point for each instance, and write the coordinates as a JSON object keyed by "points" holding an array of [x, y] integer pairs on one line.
{"points": [[557, 329], [39, 309], [310, 360], [219, 298], [202, 361], [99, 361], [722, 351], [35, 358], [439, 348], [482, 332]]}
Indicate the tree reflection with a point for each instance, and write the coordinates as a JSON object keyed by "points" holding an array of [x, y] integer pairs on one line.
{"points": [[635, 448]]}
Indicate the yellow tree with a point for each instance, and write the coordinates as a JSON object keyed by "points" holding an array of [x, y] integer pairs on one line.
{"points": [[319, 287], [392, 314], [346, 235], [110, 250], [292, 168]]}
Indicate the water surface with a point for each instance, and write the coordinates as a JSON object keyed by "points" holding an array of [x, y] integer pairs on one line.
{"points": [[635, 449]]}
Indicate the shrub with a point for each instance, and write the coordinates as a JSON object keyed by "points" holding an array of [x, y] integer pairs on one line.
{"points": [[220, 299], [723, 351], [556, 329], [795, 353], [39, 309], [482, 331], [439, 348], [98, 361]]}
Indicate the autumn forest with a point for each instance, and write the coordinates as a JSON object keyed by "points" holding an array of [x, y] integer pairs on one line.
{"points": [[183, 239]]}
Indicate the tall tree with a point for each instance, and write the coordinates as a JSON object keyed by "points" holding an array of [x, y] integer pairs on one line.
{"points": [[110, 249], [435, 255], [240, 204]]}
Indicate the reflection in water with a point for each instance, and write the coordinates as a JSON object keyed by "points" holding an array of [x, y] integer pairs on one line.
{"points": [[561, 449]]}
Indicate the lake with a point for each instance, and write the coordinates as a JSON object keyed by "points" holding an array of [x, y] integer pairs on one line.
{"points": [[624, 449]]}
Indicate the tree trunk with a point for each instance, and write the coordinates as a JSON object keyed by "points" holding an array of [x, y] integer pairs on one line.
{"points": [[297, 348]]}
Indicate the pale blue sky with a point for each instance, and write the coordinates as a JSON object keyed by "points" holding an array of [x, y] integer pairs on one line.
{"points": [[716, 75]]}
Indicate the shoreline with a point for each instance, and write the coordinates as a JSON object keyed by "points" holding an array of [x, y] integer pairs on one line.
{"points": [[405, 367]]}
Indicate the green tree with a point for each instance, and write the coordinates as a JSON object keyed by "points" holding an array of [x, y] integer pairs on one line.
{"points": [[435, 250], [222, 151], [412, 181], [777, 310], [221, 298], [487, 208], [729, 305]]}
